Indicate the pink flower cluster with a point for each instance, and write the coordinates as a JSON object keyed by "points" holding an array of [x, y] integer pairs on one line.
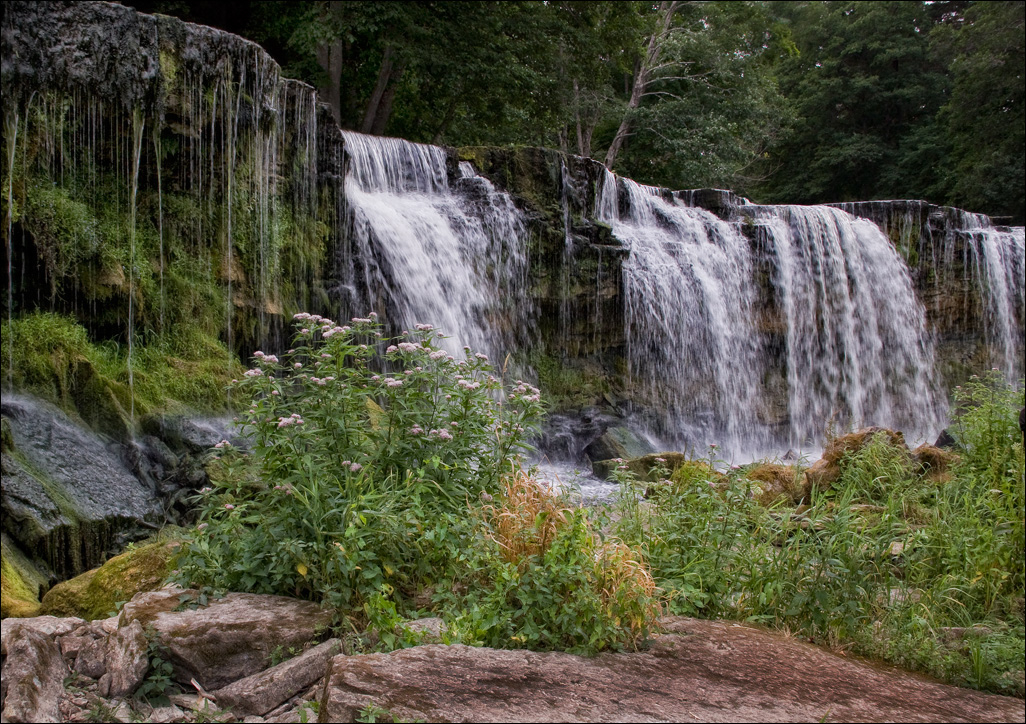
{"points": [[440, 434], [353, 467], [322, 381], [393, 382], [468, 385], [527, 393], [293, 419], [438, 354], [424, 327], [266, 359], [222, 445], [253, 373]]}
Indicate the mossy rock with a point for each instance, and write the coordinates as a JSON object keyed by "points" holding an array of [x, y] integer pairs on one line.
{"points": [[775, 483], [645, 467], [96, 593], [19, 592], [826, 471]]}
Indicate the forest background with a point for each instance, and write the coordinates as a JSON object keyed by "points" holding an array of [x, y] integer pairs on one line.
{"points": [[784, 102]]}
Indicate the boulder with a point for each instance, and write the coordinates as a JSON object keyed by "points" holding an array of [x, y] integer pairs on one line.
{"points": [[91, 660], [68, 495], [20, 581], [96, 593], [644, 467], [49, 626], [228, 639], [260, 693], [827, 470], [935, 461], [775, 483], [430, 630], [33, 678], [127, 660], [698, 671]]}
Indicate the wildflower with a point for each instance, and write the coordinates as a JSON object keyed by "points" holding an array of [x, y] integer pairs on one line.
{"points": [[375, 378], [482, 357], [301, 315], [223, 444], [258, 354], [393, 382], [304, 330], [424, 327], [201, 526], [229, 506], [660, 460], [441, 434], [292, 351], [438, 354], [373, 315], [416, 430], [297, 365], [355, 467], [253, 373], [409, 346], [361, 320], [235, 382], [391, 348], [206, 490], [275, 393]]}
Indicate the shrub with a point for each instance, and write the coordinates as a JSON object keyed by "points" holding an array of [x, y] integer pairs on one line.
{"points": [[362, 460], [546, 582]]}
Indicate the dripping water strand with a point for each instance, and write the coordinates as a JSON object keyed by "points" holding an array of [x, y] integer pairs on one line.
{"points": [[11, 137], [137, 142]]}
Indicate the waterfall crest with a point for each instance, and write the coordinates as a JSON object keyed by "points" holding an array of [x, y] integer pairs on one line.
{"points": [[427, 251]]}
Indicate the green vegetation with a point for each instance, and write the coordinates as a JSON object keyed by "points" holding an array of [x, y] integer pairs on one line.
{"points": [[921, 572], [95, 593], [790, 102], [366, 488], [56, 360]]}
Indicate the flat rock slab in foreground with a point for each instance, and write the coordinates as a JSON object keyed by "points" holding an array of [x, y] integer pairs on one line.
{"points": [[701, 671]]}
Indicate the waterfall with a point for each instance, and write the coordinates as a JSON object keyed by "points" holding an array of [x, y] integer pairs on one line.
{"points": [[430, 252], [858, 350], [998, 264], [853, 344], [689, 299]]}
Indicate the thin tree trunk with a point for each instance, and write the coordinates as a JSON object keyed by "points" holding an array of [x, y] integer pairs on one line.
{"points": [[374, 104], [642, 78], [330, 57], [385, 106]]}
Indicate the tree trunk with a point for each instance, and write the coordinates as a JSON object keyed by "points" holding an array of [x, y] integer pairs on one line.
{"points": [[329, 57], [374, 104], [642, 78], [385, 105]]}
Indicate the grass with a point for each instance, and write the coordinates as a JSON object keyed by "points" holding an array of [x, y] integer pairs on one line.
{"points": [[919, 571]]}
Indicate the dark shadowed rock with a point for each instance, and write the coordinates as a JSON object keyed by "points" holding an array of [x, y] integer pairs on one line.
{"points": [[260, 693], [33, 678], [702, 671], [229, 639]]}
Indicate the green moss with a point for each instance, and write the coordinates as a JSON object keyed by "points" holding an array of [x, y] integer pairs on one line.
{"points": [[55, 360], [96, 593], [566, 387], [19, 593]]}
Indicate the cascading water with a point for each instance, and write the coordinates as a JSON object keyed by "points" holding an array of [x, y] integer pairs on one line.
{"points": [[858, 351], [454, 257], [689, 297], [998, 263]]}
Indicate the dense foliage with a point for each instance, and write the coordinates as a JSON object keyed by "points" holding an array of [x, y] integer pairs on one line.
{"points": [[920, 569], [786, 101], [375, 475]]}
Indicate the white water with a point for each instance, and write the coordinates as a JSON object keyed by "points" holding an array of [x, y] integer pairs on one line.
{"points": [[998, 261], [691, 341], [858, 350], [431, 254]]}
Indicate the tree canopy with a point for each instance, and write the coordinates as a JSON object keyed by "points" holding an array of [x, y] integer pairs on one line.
{"points": [[799, 102]]}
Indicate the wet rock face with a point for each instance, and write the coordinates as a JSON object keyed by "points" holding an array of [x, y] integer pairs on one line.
{"points": [[66, 493]]}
